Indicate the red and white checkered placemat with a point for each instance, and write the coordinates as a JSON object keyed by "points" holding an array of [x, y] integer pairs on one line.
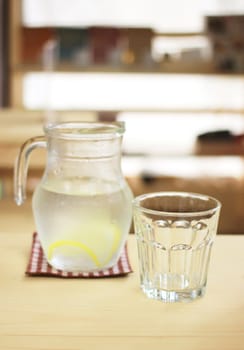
{"points": [[38, 265]]}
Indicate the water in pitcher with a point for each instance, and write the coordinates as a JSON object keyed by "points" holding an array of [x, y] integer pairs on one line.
{"points": [[82, 224]]}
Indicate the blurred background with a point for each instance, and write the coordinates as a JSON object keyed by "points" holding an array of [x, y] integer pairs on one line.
{"points": [[172, 70]]}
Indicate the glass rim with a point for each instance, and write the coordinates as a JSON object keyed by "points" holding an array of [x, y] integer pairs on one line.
{"points": [[78, 130], [138, 199]]}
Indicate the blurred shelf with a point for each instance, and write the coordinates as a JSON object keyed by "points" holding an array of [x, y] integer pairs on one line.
{"points": [[202, 68]]}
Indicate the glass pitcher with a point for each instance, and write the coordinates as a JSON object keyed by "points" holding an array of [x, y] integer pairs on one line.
{"points": [[82, 205]]}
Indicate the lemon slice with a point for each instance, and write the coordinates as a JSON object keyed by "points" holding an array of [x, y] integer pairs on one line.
{"points": [[67, 251], [94, 244]]}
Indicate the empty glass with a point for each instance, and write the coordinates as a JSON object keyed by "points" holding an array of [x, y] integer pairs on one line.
{"points": [[175, 233]]}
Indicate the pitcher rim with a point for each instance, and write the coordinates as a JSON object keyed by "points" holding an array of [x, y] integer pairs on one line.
{"points": [[76, 130]]}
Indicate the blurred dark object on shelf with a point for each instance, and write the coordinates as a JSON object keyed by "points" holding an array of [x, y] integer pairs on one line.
{"points": [[32, 43], [73, 44], [220, 142], [218, 135], [226, 37]]}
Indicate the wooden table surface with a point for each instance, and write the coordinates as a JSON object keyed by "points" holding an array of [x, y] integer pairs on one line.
{"points": [[53, 313]]}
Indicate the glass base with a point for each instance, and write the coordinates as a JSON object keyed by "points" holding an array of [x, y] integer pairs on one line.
{"points": [[170, 296]]}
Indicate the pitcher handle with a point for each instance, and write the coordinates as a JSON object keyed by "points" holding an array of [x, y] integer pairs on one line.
{"points": [[21, 166]]}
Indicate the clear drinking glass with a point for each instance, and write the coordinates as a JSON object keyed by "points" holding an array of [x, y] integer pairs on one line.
{"points": [[175, 233], [82, 205]]}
